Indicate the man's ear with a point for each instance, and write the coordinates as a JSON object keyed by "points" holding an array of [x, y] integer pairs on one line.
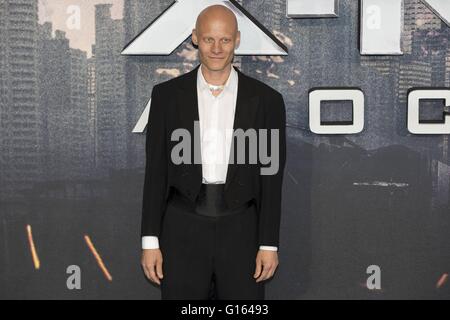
{"points": [[238, 40], [194, 37]]}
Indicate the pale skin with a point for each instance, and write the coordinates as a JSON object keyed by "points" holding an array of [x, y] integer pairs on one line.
{"points": [[217, 36]]}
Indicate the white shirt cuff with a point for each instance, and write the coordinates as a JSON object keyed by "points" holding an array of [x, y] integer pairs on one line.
{"points": [[270, 248], [150, 242]]}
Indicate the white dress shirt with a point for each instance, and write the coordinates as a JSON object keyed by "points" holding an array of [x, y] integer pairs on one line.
{"points": [[216, 117]]}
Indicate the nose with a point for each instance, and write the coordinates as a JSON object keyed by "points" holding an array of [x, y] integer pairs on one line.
{"points": [[217, 48]]}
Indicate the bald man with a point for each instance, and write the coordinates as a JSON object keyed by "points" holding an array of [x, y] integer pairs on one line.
{"points": [[213, 221]]}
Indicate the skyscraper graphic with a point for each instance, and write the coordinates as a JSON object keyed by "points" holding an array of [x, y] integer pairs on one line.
{"points": [[447, 68], [417, 16], [63, 106], [92, 106], [412, 73], [20, 136], [112, 127], [54, 91], [79, 144], [431, 46]]}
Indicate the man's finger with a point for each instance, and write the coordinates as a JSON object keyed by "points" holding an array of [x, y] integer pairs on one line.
{"points": [[264, 274], [271, 273], [155, 279], [275, 269], [150, 273], [159, 271], [258, 268]]}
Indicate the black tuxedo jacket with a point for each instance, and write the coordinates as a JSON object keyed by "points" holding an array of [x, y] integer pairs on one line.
{"points": [[174, 105]]}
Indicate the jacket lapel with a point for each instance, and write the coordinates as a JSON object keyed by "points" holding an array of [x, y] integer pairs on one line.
{"points": [[244, 115], [246, 105], [188, 111]]}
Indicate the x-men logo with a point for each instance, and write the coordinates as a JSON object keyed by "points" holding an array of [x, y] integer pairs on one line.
{"points": [[380, 34], [164, 34]]}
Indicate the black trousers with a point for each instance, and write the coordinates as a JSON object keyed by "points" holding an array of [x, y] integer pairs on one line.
{"points": [[205, 247]]}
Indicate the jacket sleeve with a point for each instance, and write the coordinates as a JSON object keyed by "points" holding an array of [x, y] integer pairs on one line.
{"points": [[155, 183], [271, 185]]}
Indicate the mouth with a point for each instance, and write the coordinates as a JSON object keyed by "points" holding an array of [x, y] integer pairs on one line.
{"points": [[217, 58]]}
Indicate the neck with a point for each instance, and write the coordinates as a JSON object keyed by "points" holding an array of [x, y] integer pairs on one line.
{"points": [[216, 77]]}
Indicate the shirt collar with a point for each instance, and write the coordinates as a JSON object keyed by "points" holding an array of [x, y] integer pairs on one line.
{"points": [[229, 84]]}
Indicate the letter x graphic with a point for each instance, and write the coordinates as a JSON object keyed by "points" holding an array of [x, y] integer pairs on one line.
{"points": [[174, 25]]}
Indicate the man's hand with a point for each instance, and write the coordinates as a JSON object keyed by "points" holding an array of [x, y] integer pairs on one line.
{"points": [[152, 264], [266, 264]]}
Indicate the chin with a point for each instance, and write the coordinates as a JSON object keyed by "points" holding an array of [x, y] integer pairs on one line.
{"points": [[216, 65]]}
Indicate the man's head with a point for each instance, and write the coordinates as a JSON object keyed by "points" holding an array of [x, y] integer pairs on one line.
{"points": [[217, 36]]}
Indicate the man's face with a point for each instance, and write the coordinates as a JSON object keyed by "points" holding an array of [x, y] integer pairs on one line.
{"points": [[216, 40]]}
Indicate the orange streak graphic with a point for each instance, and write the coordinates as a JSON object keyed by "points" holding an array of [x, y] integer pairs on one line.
{"points": [[36, 262], [442, 280], [98, 258]]}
